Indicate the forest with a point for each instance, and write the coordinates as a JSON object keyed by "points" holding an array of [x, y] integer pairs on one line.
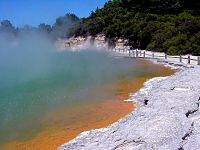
{"points": [[171, 26]]}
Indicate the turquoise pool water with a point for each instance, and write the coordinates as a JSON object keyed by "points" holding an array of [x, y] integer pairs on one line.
{"points": [[35, 83]]}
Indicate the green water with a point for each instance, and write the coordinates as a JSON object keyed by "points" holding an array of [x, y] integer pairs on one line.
{"points": [[37, 83]]}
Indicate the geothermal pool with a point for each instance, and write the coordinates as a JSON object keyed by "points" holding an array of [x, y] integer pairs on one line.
{"points": [[46, 99]]}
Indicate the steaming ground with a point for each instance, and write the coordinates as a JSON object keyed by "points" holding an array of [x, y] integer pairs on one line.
{"points": [[36, 79]]}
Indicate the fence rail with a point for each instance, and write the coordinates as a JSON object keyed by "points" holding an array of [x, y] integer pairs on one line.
{"points": [[186, 59]]}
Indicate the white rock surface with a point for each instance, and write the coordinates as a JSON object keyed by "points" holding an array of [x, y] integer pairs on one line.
{"points": [[80, 43], [167, 118]]}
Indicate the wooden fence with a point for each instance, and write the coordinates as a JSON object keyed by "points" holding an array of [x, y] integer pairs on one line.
{"points": [[187, 59]]}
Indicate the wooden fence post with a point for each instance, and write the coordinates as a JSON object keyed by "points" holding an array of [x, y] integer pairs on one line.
{"points": [[129, 52], [165, 56], [180, 59], [136, 53], [140, 53], [188, 59], [144, 54], [198, 60], [153, 54], [133, 53]]}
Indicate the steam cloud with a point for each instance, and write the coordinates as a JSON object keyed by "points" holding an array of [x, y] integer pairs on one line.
{"points": [[35, 78]]}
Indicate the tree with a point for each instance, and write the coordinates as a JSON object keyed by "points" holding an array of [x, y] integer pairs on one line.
{"points": [[63, 25], [44, 28], [7, 27]]}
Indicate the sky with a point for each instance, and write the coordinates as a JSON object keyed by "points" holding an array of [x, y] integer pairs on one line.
{"points": [[34, 12]]}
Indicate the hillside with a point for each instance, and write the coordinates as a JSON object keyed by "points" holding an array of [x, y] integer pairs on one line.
{"points": [[171, 26]]}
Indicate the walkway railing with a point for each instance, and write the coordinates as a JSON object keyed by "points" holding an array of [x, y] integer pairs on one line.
{"points": [[186, 59]]}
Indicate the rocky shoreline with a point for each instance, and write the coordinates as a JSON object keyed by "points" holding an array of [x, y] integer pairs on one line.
{"points": [[167, 117]]}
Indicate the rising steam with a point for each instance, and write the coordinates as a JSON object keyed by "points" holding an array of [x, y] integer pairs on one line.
{"points": [[35, 78]]}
